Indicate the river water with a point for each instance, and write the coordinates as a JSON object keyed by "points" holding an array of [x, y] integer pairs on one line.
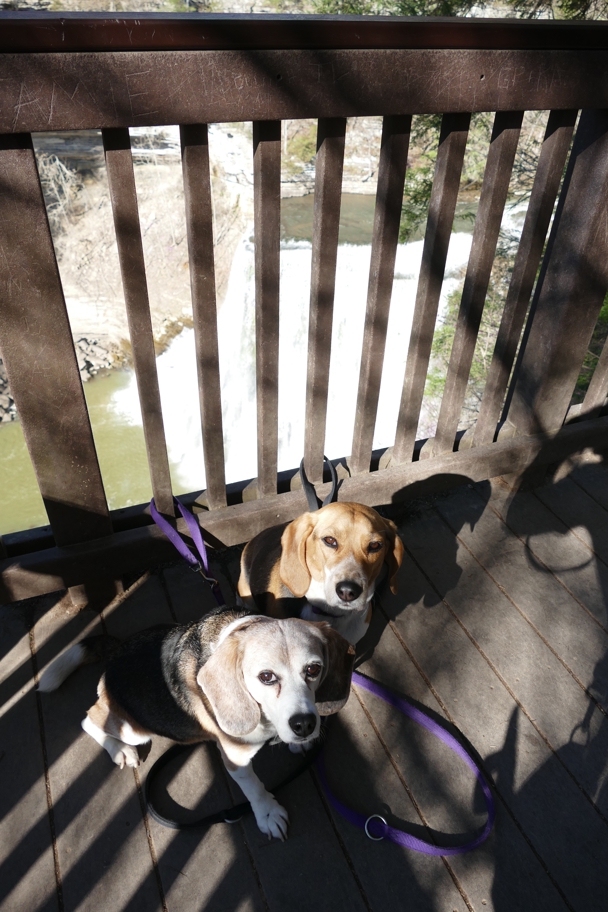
{"points": [[113, 402]]}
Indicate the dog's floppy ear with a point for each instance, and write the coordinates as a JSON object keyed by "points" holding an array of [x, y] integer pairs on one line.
{"points": [[334, 689], [221, 680], [293, 568], [394, 555]]}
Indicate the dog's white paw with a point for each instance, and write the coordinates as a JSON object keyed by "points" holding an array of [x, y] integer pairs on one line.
{"points": [[125, 755], [302, 747], [271, 818]]}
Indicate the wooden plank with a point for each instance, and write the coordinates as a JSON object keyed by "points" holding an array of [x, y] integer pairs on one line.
{"points": [[593, 479], [556, 143], [507, 869], [501, 154], [138, 549], [514, 700], [81, 91], [557, 617], [571, 287], [595, 397], [580, 512], [387, 215], [123, 195], [267, 202], [442, 205], [39, 356], [326, 224], [27, 869], [127, 31], [199, 225], [101, 843]]}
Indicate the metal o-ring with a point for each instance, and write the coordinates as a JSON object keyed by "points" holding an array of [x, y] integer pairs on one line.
{"points": [[367, 832]]}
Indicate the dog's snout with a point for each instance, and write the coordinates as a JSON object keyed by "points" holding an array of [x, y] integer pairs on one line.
{"points": [[303, 724], [348, 590]]}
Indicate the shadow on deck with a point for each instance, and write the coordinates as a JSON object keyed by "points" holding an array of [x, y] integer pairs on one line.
{"points": [[500, 626]]}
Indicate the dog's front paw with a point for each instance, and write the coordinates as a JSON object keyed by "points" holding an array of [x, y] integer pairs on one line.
{"points": [[272, 818], [125, 755]]}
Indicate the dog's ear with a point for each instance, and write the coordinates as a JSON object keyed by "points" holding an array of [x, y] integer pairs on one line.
{"points": [[293, 568], [394, 555], [221, 680], [334, 689]]}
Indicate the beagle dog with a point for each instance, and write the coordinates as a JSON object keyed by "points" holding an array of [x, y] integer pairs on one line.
{"points": [[234, 678], [330, 559]]}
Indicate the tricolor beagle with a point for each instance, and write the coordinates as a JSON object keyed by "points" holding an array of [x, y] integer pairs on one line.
{"points": [[331, 559], [234, 678]]}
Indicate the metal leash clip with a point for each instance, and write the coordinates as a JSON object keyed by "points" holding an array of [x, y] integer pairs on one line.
{"points": [[367, 832]]}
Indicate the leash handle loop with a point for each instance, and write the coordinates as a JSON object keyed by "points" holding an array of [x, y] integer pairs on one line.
{"points": [[376, 827], [198, 566], [309, 490]]}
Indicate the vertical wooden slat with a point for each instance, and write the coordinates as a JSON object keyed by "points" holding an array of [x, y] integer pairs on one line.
{"points": [[556, 143], [389, 200], [595, 397], [501, 155], [442, 205], [123, 195], [267, 203], [199, 225], [326, 225], [571, 288], [38, 353]]}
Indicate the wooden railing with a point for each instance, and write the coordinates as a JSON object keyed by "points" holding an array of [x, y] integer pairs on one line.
{"points": [[89, 71]]}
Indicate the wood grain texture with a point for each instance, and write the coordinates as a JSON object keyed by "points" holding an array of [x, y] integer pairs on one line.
{"points": [[442, 205], [556, 143], [326, 225], [387, 215], [571, 288], [267, 209], [38, 353], [92, 91], [501, 154], [123, 196], [199, 225]]}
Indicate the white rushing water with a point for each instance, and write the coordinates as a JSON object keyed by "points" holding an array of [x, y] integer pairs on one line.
{"points": [[177, 367]]}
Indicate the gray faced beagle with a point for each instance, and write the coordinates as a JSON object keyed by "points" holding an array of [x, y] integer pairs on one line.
{"points": [[331, 559], [235, 678]]}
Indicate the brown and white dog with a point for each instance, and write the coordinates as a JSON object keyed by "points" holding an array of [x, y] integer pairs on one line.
{"points": [[331, 558], [234, 678]]}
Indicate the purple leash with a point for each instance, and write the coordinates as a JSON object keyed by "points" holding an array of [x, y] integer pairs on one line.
{"points": [[376, 826], [199, 566]]}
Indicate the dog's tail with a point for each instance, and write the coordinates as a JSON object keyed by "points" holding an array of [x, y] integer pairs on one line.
{"points": [[91, 649]]}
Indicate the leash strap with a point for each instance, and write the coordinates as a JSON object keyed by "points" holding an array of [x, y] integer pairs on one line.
{"points": [[199, 566], [228, 815], [311, 494], [376, 826]]}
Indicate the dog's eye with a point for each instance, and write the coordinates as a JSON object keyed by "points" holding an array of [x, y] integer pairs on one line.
{"points": [[267, 677], [313, 671], [375, 546], [330, 542]]}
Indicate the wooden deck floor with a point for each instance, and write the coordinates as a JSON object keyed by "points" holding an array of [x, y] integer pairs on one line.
{"points": [[500, 626]]}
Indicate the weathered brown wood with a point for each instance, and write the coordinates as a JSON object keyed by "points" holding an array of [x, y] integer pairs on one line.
{"points": [[64, 31], [38, 353], [123, 195], [571, 288], [558, 135], [387, 215], [199, 224], [137, 549], [442, 205], [326, 224], [88, 91], [595, 397], [501, 154], [267, 203]]}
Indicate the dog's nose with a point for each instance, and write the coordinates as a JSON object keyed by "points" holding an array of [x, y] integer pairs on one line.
{"points": [[348, 590], [303, 724]]}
